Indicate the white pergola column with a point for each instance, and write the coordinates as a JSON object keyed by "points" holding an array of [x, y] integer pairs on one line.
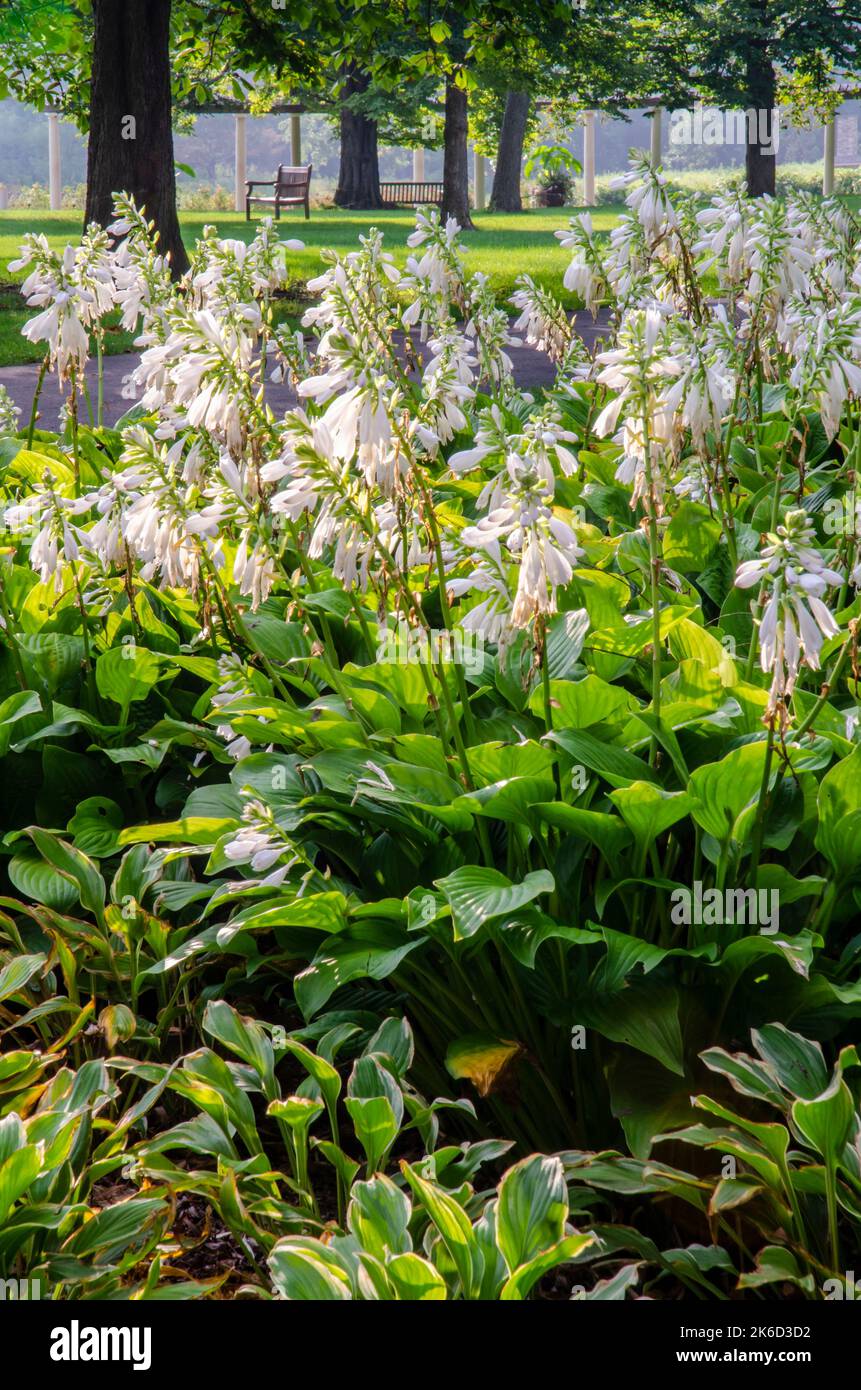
{"points": [[655, 153], [478, 179], [295, 140], [418, 166], [240, 145], [589, 159], [55, 182], [828, 147]]}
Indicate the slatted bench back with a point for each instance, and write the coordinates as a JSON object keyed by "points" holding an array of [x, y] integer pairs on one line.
{"points": [[292, 180], [411, 191]]}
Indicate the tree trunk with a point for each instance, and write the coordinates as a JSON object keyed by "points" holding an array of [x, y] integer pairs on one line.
{"points": [[130, 146], [505, 196], [455, 171], [359, 171], [760, 167]]}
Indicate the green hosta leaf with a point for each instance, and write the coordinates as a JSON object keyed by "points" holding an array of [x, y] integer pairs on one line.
{"points": [[127, 674], [774, 878], [299, 1112], [245, 1038], [645, 1017], [690, 538], [531, 1209], [277, 640], [608, 833], [565, 636], [838, 836], [118, 1024], [115, 1228], [648, 811], [376, 1127], [322, 912], [828, 1121], [497, 762], [17, 1172], [191, 830], [378, 1216], [630, 639], [797, 951], [366, 949], [415, 1279], [482, 1059], [52, 660], [776, 1265], [345, 1166], [722, 791], [454, 1227], [275, 780], [528, 929], [478, 895], [616, 765], [698, 1259], [614, 1289], [322, 1072], [731, 1193], [394, 1040], [746, 1075], [206, 1079], [95, 826], [304, 1270], [771, 1139], [510, 800], [798, 1063], [75, 867], [37, 880], [520, 1283], [369, 1079], [578, 704], [12, 1135], [15, 975], [17, 706], [646, 1100]]}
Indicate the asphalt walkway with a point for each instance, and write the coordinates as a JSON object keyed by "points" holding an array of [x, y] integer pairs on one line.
{"points": [[532, 370]]}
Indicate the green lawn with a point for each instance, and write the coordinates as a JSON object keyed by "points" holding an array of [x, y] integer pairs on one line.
{"points": [[503, 246]]}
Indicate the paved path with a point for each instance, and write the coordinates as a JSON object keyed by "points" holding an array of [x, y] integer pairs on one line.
{"points": [[532, 370]]}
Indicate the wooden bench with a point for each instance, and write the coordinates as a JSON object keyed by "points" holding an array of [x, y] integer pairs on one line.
{"points": [[408, 191], [292, 185]]}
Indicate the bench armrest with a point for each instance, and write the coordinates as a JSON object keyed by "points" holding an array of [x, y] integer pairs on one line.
{"points": [[259, 183]]}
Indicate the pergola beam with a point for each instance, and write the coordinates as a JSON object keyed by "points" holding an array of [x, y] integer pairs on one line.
{"points": [[241, 160], [589, 159], [55, 181]]}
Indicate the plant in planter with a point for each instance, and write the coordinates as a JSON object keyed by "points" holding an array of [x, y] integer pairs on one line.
{"points": [[555, 167]]}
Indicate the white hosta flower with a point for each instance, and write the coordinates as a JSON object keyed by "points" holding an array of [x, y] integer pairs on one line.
{"points": [[258, 842], [541, 446], [696, 482], [436, 277], [702, 392], [795, 621], [46, 517], [649, 198], [254, 571], [73, 290], [542, 318], [827, 350], [586, 275], [490, 619], [489, 329], [9, 413], [541, 543], [724, 227], [638, 369]]}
